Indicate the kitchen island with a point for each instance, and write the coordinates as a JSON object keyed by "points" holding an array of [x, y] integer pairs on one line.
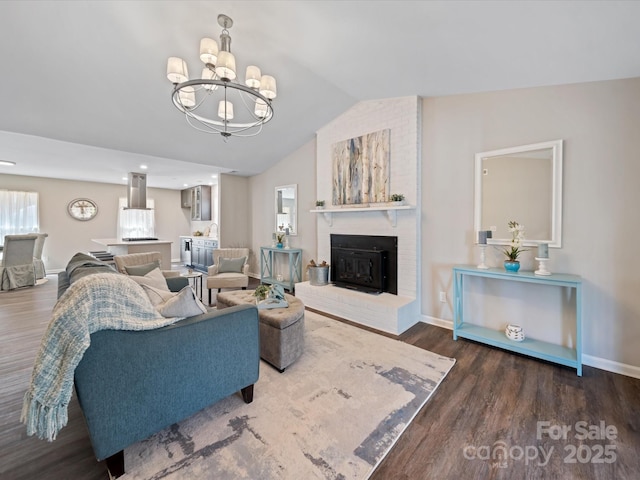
{"points": [[124, 247]]}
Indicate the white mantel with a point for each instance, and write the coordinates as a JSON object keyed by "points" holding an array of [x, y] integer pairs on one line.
{"points": [[397, 313]]}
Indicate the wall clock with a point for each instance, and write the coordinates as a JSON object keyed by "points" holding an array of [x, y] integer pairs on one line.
{"points": [[82, 209]]}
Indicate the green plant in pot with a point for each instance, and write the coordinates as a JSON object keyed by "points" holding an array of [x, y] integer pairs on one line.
{"points": [[280, 238], [397, 197], [512, 264], [261, 292], [319, 203]]}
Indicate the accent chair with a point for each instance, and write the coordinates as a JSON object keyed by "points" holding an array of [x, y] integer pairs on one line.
{"points": [[16, 267], [38, 264], [138, 259], [228, 269]]}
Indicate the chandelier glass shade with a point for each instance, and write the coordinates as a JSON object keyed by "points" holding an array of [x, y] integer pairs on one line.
{"points": [[217, 102]]}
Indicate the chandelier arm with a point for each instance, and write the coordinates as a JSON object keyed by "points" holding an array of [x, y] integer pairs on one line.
{"points": [[224, 84]]}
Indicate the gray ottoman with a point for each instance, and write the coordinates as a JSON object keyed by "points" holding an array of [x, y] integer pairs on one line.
{"points": [[281, 329]]}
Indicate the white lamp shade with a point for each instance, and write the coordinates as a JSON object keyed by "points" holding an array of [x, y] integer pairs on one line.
{"points": [[261, 109], [177, 70], [187, 97], [225, 110], [209, 74], [252, 78], [268, 86], [208, 50], [226, 66]]}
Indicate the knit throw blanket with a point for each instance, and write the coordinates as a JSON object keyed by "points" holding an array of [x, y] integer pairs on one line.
{"points": [[102, 301]]}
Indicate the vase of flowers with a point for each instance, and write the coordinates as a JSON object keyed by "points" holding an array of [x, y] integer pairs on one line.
{"points": [[280, 238], [512, 264]]}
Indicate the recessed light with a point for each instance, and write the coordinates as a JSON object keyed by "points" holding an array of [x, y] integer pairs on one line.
{"points": [[125, 179], [214, 176], [144, 167], [185, 184], [7, 163]]}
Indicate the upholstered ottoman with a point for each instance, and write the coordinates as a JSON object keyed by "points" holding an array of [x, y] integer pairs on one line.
{"points": [[281, 329]]}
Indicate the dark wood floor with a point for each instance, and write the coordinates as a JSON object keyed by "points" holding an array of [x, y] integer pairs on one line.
{"points": [[489, 403]]}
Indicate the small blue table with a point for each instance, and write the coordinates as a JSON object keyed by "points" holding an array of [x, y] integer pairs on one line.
{"points": [[533, 348], [268, 263]]}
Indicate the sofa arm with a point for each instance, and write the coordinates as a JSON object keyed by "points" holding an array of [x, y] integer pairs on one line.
{"points": [[170, 273], [212, 270], [132, 384], [245, 269]]}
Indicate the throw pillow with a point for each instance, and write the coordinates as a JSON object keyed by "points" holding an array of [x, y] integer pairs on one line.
{"points": [[142, 270], [154, 279], [183, 304], [156, 295], [231, 265]]}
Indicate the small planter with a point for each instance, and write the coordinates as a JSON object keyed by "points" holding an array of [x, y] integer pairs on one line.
{"points": [[511, 266]]}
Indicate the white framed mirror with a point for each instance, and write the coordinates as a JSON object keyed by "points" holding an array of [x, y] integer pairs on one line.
{"points": [[286, 209], [523, 184]]}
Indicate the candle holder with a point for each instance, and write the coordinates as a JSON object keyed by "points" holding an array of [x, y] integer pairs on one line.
{"points": [[483, 265], [542, 266]]}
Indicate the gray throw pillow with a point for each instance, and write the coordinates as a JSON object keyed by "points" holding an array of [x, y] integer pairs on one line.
{"points": [[231, 265], [142, 270], [182, 304]]}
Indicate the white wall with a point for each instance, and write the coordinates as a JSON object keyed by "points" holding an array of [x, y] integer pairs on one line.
{"points": [[598, 122], [68, 236]]}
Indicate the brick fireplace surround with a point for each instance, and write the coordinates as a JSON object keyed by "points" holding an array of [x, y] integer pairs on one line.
{"points": [[387, 312]]}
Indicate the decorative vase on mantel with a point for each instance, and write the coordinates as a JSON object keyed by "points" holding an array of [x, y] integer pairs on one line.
{"points": [[512, 265]]}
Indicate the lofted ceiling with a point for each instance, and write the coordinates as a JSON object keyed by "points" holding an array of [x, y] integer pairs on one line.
{"points": [[84, 93]]}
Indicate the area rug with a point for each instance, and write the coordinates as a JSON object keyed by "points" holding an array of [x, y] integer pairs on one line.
{"points": [[334, 414]]}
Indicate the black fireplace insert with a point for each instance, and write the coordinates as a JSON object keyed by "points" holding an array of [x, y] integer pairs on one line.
{"points": [[368, 263]]}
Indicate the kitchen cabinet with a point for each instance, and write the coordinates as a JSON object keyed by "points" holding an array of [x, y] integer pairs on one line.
{"points": [[185, 198], [202, 252], [201, 203], [198, 199]]}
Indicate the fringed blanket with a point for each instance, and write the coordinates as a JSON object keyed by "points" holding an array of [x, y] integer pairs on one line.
{"points": [[102, 301]]}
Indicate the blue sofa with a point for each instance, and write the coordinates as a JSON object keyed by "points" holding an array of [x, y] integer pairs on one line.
{"points": [[132, 384]]}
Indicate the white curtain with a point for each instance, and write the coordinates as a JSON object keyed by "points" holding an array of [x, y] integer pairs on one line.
{"points": [[18, 213], [135, 223]]}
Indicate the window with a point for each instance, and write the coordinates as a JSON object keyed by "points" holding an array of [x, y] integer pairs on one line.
{"points": [[18, 213], [135, 223]]}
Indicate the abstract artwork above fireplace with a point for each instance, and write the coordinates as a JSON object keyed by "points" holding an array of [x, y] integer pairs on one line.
{"points": [[361, 169]]}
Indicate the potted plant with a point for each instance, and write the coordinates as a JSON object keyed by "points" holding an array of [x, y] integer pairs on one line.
{"points": [[319, 204], [512, 264], [279, 238], [261, 292], [397, 198]]}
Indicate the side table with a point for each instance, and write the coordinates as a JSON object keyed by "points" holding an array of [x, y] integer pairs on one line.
{"points": [[268, 263], [197, 280]]}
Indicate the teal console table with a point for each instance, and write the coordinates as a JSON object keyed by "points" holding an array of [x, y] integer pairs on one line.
{"points": [[268, 261], [571, 357]]}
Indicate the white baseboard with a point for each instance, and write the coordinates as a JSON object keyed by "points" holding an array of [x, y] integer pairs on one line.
{"points": [[596, 362], [438, 322], [611, 366]]}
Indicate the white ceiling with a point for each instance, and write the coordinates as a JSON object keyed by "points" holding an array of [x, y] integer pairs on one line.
{"points": [[88, 76]]}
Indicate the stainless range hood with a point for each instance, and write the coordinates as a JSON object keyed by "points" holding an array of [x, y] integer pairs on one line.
{"points": [[137, 191]]}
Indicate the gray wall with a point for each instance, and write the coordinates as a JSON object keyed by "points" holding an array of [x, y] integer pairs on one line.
{"points": [[298, 168], [235, 211], [68, 236], [598, 122]]}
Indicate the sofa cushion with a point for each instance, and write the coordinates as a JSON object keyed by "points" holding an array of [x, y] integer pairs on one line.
{"points": [[231, 265], [141, 270], [182, 304], [154, 279]]}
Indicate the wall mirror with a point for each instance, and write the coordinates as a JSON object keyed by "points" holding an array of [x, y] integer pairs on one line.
{"points": [[287, 209], [522, 184]]}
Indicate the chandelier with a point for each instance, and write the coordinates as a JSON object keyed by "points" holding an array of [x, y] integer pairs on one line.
{"points": [[217, 102]]}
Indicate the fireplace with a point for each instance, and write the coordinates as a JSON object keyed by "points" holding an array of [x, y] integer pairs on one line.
{"points": [[368, 263]]}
